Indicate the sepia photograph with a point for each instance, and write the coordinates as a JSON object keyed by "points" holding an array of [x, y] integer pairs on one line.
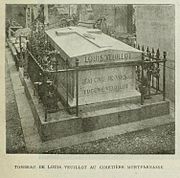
{"points": [[90, 79]]}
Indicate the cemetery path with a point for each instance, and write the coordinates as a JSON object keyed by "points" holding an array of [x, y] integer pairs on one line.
{"points": [[156, 140], [14, 135]]}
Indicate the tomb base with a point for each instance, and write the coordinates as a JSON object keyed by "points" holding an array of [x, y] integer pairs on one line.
{"points": [[63, 124]]}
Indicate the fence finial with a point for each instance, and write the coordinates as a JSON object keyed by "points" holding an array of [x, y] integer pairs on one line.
{"points": [[164, 54], [138, 47], [147, 50], [153, 52], [158, 53], [77, 62], [143, 48], [142, 56], [134, 45]]}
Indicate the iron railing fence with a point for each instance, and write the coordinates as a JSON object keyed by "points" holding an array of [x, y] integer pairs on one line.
{"points": [[150, 74], [147, 74]]}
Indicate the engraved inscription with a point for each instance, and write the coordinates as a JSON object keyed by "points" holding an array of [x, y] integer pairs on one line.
{"points": [[106, 83], [105, 89], [106, 58]]}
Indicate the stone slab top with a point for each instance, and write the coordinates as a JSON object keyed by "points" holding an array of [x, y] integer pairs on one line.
{"points": [[79, 41]]}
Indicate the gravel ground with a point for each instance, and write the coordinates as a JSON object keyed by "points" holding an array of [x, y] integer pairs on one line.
{"points": [[14, 135], [158, 140]]}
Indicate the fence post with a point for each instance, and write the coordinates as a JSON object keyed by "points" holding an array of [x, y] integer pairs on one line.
{"points": [[45, 93], [138, 47], [56, 80], [164, 75], [153, 67], [77, 92], [67, 86], [45, 108], [157, 78], [149, 75], [20, 47], [142, 77]]}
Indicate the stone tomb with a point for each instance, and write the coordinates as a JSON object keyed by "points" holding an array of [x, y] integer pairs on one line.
{"points": [[93, 48], [106, 95]]}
